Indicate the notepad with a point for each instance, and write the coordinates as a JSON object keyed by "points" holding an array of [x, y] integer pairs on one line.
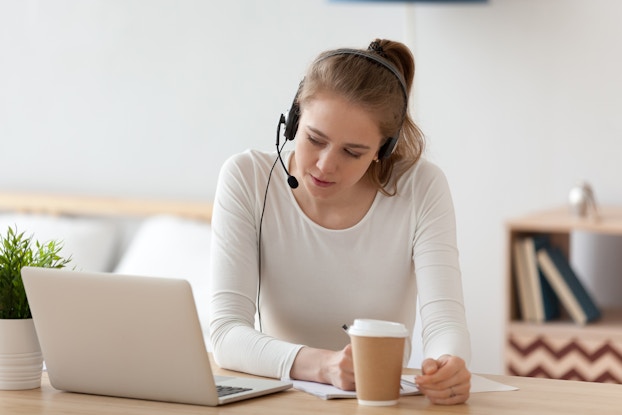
{"points": [[331, 392]]}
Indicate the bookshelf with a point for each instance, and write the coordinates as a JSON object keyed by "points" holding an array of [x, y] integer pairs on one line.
{"points": [[562, 349]]}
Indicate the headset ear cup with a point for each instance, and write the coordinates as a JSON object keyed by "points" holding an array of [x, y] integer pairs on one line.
{"points": [[387, 148], [291, 126]]}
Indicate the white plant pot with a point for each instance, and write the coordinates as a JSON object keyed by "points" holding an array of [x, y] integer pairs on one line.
{"points": [[21, 361]]}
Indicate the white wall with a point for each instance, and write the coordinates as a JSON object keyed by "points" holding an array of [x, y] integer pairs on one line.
{"points": [[148, 97], [518, 98]]}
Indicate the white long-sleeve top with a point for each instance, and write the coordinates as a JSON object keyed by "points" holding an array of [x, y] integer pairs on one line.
{"points": [[312, 280]]}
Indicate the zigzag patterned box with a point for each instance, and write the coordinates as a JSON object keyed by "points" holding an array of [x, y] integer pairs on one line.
{"points": [[551, 352]]}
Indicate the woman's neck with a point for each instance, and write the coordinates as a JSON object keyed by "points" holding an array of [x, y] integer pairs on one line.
{"points": [[338, 213]]}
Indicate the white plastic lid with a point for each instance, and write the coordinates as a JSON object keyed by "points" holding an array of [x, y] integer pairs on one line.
{"points": [[377, 328]]}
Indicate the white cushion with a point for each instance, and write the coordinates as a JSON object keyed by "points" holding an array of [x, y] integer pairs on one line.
{"points": [[91, 242], [173, 247]]}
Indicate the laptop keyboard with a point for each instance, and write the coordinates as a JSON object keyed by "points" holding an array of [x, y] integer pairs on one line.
{"points": [[229, 390]]}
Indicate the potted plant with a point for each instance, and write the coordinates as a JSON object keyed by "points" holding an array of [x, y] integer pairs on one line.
{"points": [[21, 361]]}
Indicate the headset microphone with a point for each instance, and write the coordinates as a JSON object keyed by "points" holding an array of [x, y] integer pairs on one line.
{"points": [[291, 180]]}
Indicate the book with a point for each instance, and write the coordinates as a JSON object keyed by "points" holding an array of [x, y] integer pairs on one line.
{"points": [[570, 290], [546, 302], [533, 277], [523, 282]]}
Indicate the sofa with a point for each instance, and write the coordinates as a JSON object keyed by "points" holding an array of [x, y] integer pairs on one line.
{"points": [[120, 235]]}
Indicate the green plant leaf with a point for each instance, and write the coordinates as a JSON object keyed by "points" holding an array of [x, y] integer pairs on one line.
{"points": [[18, 251]]}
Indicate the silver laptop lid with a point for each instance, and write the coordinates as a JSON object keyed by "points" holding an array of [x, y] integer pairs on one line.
{"points": [[119, 335]]}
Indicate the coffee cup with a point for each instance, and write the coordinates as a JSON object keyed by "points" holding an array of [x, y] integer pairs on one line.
{"points": [[378, 352]]}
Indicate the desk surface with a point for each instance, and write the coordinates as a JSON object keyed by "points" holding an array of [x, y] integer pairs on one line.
{"points": [[535, 396]]}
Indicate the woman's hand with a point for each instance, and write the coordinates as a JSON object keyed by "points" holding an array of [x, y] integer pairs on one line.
{"points": [[445, 381], [325, 366], [339, 369]]}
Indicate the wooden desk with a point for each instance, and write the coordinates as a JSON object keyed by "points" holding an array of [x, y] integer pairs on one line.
{"points": [[536, 396]]}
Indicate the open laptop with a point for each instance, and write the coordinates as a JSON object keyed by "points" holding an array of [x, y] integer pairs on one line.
{"points": [[128, 336]]}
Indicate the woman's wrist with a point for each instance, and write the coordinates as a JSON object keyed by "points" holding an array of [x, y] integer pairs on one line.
{"points": [[309, 365]]}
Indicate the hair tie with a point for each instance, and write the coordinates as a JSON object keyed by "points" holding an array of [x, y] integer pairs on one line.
{"points": [[375, 47]]}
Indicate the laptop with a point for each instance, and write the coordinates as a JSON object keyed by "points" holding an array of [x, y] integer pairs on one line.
{"points": [[128, 336]]}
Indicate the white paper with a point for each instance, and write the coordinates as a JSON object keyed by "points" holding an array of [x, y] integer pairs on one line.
{"points": [[478, 384]]}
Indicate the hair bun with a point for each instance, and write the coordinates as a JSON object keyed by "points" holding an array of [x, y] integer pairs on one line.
{"points": [[375, 47]]}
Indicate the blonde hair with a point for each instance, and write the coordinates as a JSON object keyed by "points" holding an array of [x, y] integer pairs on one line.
{"points": [[375, 88]]}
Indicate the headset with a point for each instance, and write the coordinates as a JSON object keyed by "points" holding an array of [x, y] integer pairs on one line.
{"points": [[293, 115]]}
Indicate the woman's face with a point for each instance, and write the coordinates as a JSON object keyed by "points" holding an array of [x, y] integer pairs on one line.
{"points": [[335, 143]]}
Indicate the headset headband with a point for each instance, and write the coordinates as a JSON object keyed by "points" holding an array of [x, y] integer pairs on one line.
{"points": [[291, 121], [372, 57]]}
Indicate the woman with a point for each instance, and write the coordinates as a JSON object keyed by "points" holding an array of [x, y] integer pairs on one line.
{"points": [[355, 225]]}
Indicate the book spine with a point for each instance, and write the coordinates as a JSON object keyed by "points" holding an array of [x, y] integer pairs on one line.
{"points": [[567, 285], [533, 275], [550, 302], [583, 297], [525, 299]]}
